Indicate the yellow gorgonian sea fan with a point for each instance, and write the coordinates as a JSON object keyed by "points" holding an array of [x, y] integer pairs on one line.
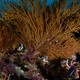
{"points": [[49, 29]]}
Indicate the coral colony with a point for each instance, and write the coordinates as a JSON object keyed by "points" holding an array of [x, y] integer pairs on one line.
{"points": [[39, 42]]}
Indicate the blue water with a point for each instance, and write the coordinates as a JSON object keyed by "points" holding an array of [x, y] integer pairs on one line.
{"points": [[49, 2]]}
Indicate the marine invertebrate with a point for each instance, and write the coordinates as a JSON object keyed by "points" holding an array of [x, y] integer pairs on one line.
{"points": [[47, 29]]}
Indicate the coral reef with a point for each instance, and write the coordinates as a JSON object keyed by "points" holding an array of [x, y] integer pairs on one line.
{"points": [[50, 30]]}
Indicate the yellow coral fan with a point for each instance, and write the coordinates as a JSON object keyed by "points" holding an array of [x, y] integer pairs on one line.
{"points": [[48, 29]]}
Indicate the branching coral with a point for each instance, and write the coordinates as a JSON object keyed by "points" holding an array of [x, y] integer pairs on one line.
{"points": [[48, 29]]}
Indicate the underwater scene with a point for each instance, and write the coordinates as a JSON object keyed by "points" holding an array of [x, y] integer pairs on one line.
{"points": [[39, 39]]}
